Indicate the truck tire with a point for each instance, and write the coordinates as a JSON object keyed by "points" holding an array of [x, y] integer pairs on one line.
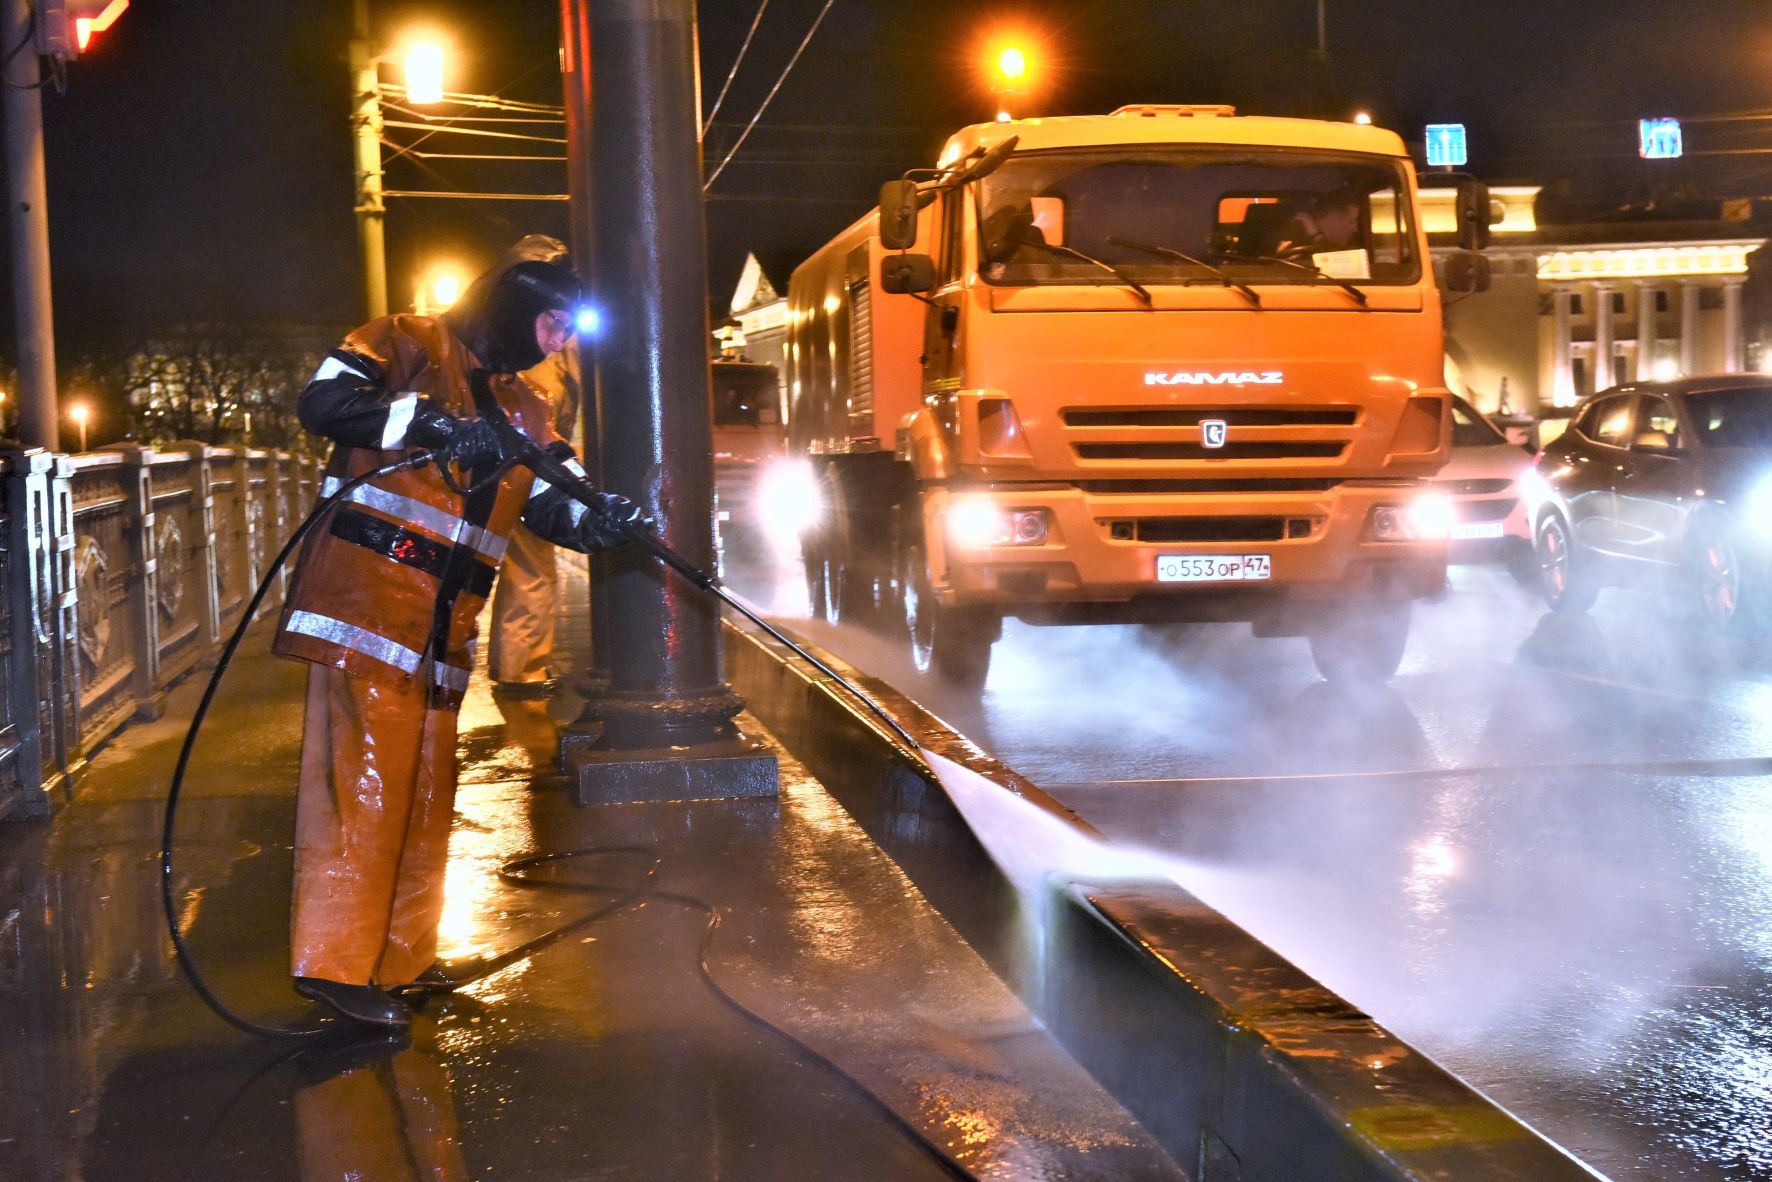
{"points": [[954, 643], [1361, 643]]}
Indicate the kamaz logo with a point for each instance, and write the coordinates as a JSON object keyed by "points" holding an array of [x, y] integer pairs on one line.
{"points": [[1212, 432], [1220, 377]]}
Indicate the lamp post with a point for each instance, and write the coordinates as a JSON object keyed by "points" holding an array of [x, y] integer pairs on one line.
{"points": [[424, 66]]}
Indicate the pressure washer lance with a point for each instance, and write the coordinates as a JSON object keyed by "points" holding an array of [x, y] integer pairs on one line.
{"points": [[556, 473]]}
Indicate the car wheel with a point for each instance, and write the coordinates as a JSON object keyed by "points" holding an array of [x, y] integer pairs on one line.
{"points": [[1717, 580], [1563, 578]]}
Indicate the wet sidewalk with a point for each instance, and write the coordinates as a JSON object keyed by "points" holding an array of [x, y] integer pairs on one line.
{"points": [[840, 1022]]}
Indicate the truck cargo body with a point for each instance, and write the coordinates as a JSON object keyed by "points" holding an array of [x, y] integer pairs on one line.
{"points": [[1243, 439]]}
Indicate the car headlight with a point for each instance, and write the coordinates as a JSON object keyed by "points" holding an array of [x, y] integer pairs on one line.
{"points": [[1426, 518]]}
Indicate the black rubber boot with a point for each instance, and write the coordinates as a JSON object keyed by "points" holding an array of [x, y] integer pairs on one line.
{"points": [[360, 1003]]}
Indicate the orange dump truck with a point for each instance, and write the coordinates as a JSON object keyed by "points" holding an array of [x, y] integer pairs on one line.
{"points": [[1163, 366]]}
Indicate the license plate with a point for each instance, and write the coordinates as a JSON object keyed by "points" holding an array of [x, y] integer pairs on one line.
{"points": [[1466, 530], [1212, 568]]}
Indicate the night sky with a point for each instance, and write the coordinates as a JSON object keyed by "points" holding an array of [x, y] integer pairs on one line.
{"points": [[200, 169]]}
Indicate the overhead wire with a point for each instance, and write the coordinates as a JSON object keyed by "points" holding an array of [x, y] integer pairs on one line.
{"points": [[768, 98], [733, 72]]}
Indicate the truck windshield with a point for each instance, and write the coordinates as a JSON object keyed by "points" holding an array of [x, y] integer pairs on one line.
{"points": [[1259, 216]]}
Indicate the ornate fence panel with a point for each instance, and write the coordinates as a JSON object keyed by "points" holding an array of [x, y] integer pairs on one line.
{"points": [[107, 575], [229, 501], [119, 571], [12, 653], [184, 563]]}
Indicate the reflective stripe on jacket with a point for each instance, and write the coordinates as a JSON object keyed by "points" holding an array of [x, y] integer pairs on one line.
{"points": [[390, 581]]}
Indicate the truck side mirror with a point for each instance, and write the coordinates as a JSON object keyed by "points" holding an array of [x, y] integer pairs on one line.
{"points": [[898, 215], [1467, 271], [907, 274], [1473, 214]]}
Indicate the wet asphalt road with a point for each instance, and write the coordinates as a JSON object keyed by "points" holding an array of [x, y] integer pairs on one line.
{"points": [[1542, 854]]}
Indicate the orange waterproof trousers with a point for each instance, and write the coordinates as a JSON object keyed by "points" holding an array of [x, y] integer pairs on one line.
{"points": [[372, 819], [523, 610]]}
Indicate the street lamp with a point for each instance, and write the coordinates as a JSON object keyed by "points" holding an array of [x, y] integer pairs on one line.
{"points": [[81, 414], [438, 289], [424, 73]]}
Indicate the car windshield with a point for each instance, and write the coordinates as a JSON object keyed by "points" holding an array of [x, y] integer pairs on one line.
{"points": [[1186, 214], [1470, 429], [1741, 417]]}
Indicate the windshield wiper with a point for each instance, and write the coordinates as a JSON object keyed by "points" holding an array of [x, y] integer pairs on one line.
{"points": [[1072, 251], [1358, 295], [1171, 252]]}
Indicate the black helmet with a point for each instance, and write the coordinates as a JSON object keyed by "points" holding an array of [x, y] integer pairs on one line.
{"points": [[496, 316]]}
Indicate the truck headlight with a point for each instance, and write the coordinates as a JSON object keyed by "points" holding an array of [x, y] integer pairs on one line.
{"points": [[974, 523], [789, 501]]}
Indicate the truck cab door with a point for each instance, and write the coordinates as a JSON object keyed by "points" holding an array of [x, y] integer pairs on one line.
{"points": [[941, 353]]}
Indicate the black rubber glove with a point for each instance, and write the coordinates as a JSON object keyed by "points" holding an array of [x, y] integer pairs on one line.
{"points": [[615, 520], [467, 443]]}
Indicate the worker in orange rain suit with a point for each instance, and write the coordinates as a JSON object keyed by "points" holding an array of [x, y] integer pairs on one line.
{"points": [[384, 604]]}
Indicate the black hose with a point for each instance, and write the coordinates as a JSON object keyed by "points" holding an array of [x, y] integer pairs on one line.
{"points": [[180, 948], [625, 897], [558, 474]]}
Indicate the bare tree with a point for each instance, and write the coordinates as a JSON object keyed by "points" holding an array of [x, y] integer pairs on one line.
{"points": [[217, 387]]}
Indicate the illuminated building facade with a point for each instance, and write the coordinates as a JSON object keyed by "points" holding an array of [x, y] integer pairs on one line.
{"points": [[1575, 308]]}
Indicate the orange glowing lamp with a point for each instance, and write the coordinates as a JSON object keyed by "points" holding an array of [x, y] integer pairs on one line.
{"points": [[65, 28]]}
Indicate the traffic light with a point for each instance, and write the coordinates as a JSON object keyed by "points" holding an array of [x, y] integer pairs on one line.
{"points": [[66, 27]]}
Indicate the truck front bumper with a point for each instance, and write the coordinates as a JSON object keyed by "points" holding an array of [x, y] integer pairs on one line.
{"points": [[1100, 551]]}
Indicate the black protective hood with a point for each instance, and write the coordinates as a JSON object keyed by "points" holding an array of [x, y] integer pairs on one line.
{"points": [[495, 317]]}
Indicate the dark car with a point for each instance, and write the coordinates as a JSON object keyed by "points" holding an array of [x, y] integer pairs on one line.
{"points": [[1667, 481]]}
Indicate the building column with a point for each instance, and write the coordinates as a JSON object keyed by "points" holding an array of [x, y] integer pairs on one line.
{"points": [[1602, 336], [1562, 373], [1646, 296], [1732, 326], [1689, 290]]}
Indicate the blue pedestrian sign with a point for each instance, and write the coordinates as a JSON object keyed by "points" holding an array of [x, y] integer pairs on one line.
{"points": [[1445, 145], [1659, 139]]}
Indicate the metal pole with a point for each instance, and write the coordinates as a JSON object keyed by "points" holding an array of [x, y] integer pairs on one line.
{"points": [[650, 269], [1322, 30], [366, 131], [575, 66], [28, 221]]}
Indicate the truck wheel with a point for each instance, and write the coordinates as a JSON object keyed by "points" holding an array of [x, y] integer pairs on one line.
{"points": [[1361, 643], [953, 643]]}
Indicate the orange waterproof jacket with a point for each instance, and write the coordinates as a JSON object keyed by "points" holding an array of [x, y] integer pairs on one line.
{"points": [[389, 582]]}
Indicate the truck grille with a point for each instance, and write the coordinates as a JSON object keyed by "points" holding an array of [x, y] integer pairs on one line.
{"points": [[1208, 529], [1253, 450], [1174, 434], [1235, 416], [1254, 484]]}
